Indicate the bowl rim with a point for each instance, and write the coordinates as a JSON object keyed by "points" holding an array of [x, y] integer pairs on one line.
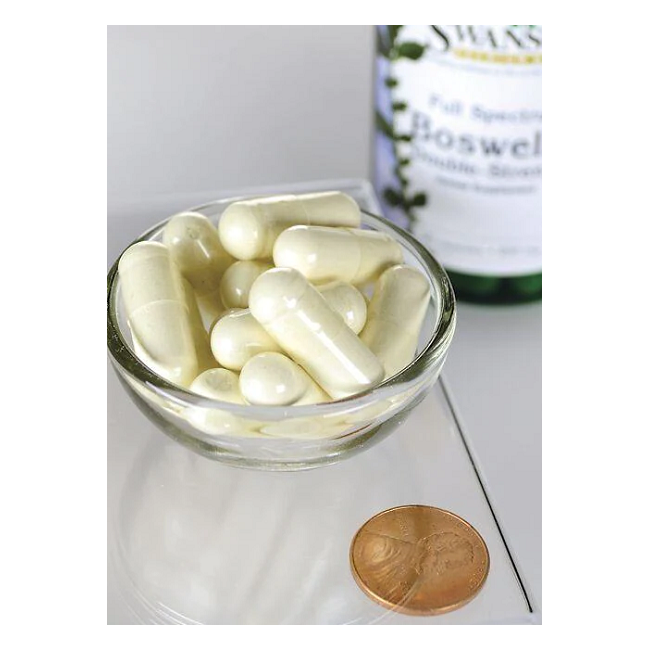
{"points": [[424, 363]]}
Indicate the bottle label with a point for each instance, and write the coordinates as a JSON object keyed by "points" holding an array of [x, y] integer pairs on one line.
{"points": [[459, 142]]}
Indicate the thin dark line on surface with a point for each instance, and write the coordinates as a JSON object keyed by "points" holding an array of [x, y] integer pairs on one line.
{"points": [[485, 494]]}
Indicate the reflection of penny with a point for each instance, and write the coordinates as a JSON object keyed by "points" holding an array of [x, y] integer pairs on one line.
{"points": [[419, 560]]}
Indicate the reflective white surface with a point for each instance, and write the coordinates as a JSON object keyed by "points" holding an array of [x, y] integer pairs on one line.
{"points": [[188, 537], [195, 541], [494, 372]]}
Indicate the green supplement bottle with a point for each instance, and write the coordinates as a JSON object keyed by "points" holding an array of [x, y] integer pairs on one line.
{"points": [[458, 150]]}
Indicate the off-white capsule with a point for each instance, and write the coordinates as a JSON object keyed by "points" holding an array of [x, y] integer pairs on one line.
{"points": [[220, 384], [195, 246], [324, 254], [309, 428], [299, 319], [248, 229], [223, 385], [272, 379], [143, 355], [205, 358], [200, 335], [237, 337], [237, 281], [395, 316], [156, 310], [347, 301]]}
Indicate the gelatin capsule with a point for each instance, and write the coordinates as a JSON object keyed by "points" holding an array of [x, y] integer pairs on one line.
{"points": [[194, 244], [301, 322], [272, 379], [220, 384], [347, 301], [325, 254], [237, 337], [248, 229], [223, 385], [395, 316], [237, 281], [204, 355], [156, 310]]}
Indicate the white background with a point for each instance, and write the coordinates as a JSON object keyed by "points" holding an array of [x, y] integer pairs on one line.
{"points": [[220, 107]]}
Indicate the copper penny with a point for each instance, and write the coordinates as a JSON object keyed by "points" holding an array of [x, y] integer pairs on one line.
{"points": [[419, 560]]}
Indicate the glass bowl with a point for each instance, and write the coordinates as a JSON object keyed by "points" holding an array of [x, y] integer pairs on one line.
{"points": [[288, 437]]}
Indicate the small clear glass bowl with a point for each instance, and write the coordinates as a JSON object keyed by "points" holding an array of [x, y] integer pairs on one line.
{"points": [[288, 437]]}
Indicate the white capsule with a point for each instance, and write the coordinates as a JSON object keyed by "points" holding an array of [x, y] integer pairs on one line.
{"points": [[143, 355], [369, 415], [272, 379], [347, 301], [302, 323], [237, 337], [395, 316], [248, 229], [324, 254], [307, 428], [223, 385], [219, 384], [205, 358], [156, 310], [237, 281], [196, 248], [200, 335]]}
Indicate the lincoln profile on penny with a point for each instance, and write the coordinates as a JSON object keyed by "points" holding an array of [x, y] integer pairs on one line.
{"points": [[419, 560]]}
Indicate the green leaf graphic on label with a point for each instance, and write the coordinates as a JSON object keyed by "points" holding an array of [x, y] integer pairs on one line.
{"points": [[393, 197], [388, 47], [410, 50], [383, 125], [392, 33], [419, 200]]}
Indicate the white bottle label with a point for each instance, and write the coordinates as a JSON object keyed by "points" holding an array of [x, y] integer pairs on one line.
{"points": [[462, 118]]}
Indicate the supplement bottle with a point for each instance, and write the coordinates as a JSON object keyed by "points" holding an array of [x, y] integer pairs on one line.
{"points": [[458, 150]]}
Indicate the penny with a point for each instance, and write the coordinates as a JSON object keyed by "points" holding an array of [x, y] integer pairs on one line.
{"points": [[419, 560]]}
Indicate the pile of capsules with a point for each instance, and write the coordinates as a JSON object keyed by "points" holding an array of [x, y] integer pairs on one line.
{"points": [[287, 302]]}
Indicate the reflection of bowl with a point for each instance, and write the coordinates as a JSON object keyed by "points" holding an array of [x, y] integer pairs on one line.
{"points": [[288, 437], [191, 544]]}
